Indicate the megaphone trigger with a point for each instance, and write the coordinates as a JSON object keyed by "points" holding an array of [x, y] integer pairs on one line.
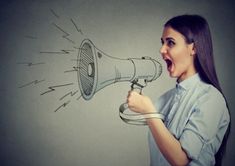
{"points": [[138, 86]]}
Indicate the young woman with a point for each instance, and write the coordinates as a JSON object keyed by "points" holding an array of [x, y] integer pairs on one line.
{"points": [[197, 118]]}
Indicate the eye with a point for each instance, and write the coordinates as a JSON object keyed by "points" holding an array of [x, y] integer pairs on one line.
{"points": [[170, 43], [162, 42]]}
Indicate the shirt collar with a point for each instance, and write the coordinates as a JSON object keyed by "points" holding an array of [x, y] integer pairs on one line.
{"points": [[189, 82]]}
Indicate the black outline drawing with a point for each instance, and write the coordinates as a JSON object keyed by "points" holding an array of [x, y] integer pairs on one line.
{"points": [[65, 35], [30, 63], [32, 82], [71, 93], [79, 97], [63, 105], [63, 51], [75, 69], [54, 13], [52, 88], [79, 30]]}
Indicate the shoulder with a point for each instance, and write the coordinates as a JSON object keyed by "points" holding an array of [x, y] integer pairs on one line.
{"points": [[207, 93], [210, 116], [211, 107]]}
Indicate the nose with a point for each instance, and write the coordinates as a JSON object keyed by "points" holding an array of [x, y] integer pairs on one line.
{"points": [[163, 50]]}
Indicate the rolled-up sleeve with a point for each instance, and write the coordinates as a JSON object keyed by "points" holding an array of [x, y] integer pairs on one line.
{"points": [[204, 125], [192, 144]]}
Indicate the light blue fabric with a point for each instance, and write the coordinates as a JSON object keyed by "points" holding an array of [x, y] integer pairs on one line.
{"points": [[196, 114]]}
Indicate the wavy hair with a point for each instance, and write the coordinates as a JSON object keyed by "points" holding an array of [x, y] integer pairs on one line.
{"points": [[196, 30]]}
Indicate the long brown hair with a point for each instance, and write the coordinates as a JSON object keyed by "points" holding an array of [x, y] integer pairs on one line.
{"points": [[196, 30]]}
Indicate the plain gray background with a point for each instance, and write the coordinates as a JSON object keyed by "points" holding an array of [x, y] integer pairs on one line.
{"points": [[89, 132]]}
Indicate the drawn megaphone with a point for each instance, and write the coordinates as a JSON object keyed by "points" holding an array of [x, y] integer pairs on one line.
{"points": [[97, 70]]}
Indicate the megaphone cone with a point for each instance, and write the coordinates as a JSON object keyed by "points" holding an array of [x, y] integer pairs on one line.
{"points": [[98, 70]]}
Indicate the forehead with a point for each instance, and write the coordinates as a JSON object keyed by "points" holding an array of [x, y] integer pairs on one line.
{"points": [[169, 32]]}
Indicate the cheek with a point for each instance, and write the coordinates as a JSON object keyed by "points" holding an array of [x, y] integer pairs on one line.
{"points": [[181, 58], [178, 55]]}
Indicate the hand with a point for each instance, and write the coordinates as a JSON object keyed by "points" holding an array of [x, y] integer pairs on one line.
{"points": [[139, 103]]}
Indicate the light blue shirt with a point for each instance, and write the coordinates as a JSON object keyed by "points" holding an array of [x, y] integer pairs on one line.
{"points": [[196, 114]]}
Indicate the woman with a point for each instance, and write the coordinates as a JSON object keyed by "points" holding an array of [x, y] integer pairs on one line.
{"points": [[197, 119]]}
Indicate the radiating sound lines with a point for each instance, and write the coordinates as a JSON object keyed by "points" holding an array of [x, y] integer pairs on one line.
{"points": [[63, 51], [29, 64], [63, 105], [69, 89], [31, 83], [75, 25], [66, 34], [52, 88]]}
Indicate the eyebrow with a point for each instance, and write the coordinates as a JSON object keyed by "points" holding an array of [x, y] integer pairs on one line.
{"points": [[168, 38]]}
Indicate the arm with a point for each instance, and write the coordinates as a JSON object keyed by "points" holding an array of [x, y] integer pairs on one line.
{"points": [[167, 143]]}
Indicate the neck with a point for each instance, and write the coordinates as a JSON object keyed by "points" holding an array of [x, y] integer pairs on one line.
{"points": [[186, 74]]}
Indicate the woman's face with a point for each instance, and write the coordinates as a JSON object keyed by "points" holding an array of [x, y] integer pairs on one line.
{"points": [[178, 55]]}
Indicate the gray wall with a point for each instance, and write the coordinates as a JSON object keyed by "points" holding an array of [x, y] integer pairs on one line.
{"points": [[88, 132]]}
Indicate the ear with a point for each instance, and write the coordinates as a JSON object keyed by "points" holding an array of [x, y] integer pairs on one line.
{"points": [[192, 49]]}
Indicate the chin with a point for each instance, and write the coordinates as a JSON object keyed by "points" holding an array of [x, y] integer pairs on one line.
{"points": [[173, 75]]}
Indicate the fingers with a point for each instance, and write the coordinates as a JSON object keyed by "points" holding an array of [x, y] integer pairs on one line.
{"points": [[128, 99], [131, 95], [133, 100], [139, 103]]}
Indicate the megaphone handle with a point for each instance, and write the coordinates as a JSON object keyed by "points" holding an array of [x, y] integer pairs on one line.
{"points": [[137, 119], [135, 85]]}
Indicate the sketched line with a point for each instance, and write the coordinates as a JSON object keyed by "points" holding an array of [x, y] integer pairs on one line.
{"points": [[52, 52], [52, 88], [56, 52], [30, 37], [66, 34], [74, 69], [66, 37], [63, 105], [70, 93], [54, 13], [81, 48], [33, 82], [30, 63], [75, 47], [79, 97], [68, 50], [79, 30]]}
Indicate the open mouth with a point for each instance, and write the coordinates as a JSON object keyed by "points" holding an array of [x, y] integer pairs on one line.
{"points": [[168, 63]]}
